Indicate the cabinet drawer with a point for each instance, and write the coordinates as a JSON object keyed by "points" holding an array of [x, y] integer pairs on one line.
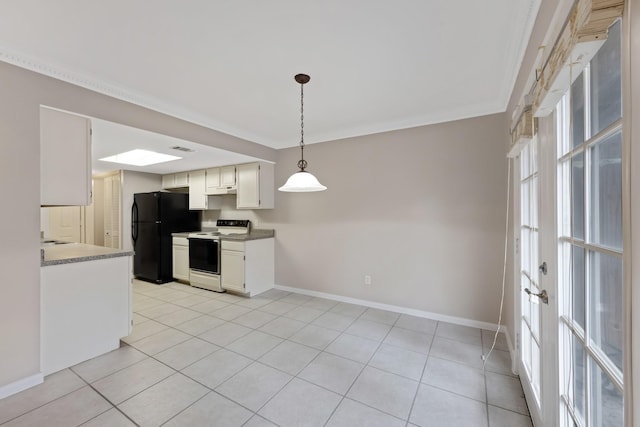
{"points": [[232, 246], [180, 241]]}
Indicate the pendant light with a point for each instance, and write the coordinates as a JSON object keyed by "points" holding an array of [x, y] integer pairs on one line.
{"points": [[302, 181]]}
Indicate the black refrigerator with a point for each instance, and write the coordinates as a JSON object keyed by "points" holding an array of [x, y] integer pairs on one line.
{"points": [[154, 216]]}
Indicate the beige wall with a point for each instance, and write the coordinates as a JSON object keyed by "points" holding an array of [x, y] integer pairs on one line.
{"points": [[19, 230], [420, 210], [22, 94]]}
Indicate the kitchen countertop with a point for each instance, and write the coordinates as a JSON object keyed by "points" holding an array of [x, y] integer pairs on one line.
{"points": [[253, 235], [77, 252]]}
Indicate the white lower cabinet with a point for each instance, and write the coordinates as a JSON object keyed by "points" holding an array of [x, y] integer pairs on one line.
{"points": [[247, 267], [85, 310], [181, 258], [233, 266]]}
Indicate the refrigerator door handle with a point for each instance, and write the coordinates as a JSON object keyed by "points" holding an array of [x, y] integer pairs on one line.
{"points": [[134, 222]]}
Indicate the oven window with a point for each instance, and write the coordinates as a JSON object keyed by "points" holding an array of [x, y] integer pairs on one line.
{"points": [[203, 255]]}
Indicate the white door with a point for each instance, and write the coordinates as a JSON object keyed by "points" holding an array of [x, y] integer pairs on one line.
{"points": [[537, 364], [65, 223], [112, 211]]}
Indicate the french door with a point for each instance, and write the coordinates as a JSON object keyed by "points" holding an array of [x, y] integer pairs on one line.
{"points": [[590, 243], [538, 344], [571, 240]]}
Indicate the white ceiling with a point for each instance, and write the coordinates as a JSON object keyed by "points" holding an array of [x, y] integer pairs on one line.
{"points": [[112, 138], [375, 65]]}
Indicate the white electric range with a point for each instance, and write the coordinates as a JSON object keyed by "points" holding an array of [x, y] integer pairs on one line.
{"points": [[204, 252]]}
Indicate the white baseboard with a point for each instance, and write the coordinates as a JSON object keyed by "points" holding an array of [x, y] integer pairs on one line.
{"points": [[397, 309], [20, 385]]}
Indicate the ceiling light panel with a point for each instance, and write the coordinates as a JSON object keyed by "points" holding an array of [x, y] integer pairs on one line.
{"points": [[139, 157]]}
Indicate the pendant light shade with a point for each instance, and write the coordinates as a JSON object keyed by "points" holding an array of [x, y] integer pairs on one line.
{"points": [[302, 181]]}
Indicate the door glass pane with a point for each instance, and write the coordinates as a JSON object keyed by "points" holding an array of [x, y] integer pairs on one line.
{"points": [[579, 375], [524, 162], [577, 111], [534, 202], [605, 305], [524, 211], [606, 82], [535, 368], [578, 285], [605, 223], [524, 263], [606, 400], [577, 196], [564, 200]]}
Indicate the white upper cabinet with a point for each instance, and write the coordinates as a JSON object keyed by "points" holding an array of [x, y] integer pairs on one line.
{"points": [[198, 197], [255, 183], [212, 180], [228, 177], [197, 187], [65, 159], [175, 180], [221, 180]]}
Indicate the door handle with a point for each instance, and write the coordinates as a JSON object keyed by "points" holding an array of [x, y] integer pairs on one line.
{"points": [[543, 268], [544, 297]]}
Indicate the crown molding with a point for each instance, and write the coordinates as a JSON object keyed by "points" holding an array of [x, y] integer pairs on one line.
{"points": [[123, 93]]}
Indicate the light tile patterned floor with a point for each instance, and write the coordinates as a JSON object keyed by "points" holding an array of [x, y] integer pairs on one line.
{"points": [[198, 358]]}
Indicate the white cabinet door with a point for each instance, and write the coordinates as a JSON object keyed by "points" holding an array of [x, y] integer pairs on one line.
{"points": [[228, 177], [212, 180], [175, 180], [197, 190], [232, 270], [181, 179], [255, 186], [112, 211], [65, 159], [181, 261], [248, 186], [168, 181]]}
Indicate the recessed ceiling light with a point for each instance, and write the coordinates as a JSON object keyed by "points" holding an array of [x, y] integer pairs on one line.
{"points": [[140, 158]]}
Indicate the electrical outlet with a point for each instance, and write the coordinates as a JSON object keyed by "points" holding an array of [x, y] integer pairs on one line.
{"points": [[367, 280]]}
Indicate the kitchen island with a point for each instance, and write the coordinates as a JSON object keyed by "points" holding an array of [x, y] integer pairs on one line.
{"points": [[85, 303]]}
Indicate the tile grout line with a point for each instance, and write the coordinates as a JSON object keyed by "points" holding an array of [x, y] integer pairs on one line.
{"points": [[424, 368], [296, 376], [484, 377], [362, 370], [113, 406]]}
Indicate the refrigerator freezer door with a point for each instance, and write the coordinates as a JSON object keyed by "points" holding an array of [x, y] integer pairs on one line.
{"points": [[147, 205]]}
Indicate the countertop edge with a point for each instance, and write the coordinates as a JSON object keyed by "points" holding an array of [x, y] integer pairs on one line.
{"points": [[73, 260], [253, 235]]}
